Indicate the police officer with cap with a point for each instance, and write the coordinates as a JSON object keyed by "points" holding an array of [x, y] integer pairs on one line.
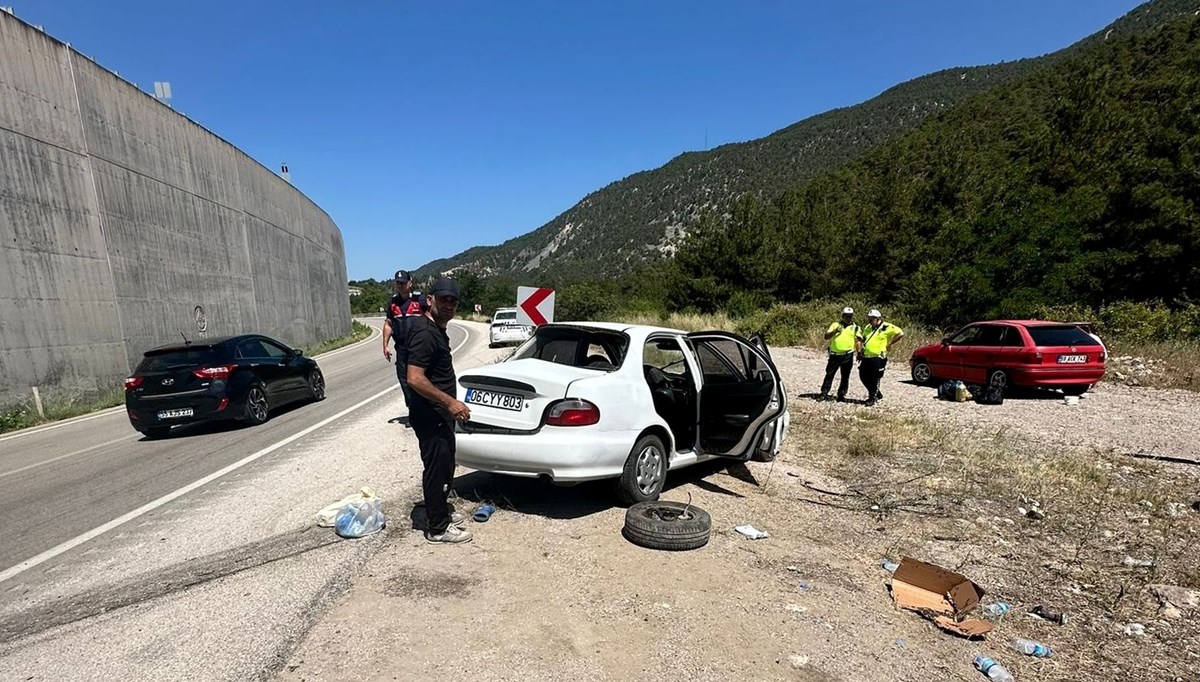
{"points": [[435, 409], [875, 340], [842, 337], [402, 309]]}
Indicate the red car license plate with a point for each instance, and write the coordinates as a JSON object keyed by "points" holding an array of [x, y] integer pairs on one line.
{"points": [[1072, 359]]}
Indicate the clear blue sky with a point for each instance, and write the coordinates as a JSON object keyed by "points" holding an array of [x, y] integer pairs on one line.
{"points": [[425, 128]]}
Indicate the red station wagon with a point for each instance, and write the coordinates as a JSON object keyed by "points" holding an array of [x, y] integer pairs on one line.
{"points": [[1008, 353]]}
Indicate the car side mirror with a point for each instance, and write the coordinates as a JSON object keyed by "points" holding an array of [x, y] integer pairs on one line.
{"points": [[297, 352]]}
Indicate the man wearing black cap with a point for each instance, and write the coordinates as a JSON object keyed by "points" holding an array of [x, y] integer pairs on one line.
{"points": [[401, 312], [434, 409]]}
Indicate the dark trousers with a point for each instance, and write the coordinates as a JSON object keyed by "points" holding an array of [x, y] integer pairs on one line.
{"points": [[435, 434], [870, 370], [402, 376], [838, 362]]}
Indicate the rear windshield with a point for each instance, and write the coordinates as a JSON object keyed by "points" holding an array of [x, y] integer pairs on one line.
{"points": [[506, 315], [175, 359], [1060, 336], [576, 346]]}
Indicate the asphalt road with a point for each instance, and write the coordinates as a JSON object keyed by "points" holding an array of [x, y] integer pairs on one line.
{"points": [[65, 480]]}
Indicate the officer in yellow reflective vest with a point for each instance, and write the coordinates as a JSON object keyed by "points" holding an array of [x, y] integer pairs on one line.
{"points": [[874, 342], [842, 338]]}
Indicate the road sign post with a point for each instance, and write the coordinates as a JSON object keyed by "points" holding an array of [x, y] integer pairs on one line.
{"points": [[535, 306]]}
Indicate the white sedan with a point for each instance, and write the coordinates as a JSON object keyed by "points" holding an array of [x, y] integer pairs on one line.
{"points": [[593, 400]]}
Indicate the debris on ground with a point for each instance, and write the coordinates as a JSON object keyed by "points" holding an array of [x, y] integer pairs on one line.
{"points": [[1031, 509], [996, 610], [798, 661], [939, 594], [1030, 647], [1130, 562], [360, 518], [751, 532], [796, 608], [1049, 613], [328, 516], [992, 669], [1135, 630], [1173, 599], [483, 512], [888, 565]]}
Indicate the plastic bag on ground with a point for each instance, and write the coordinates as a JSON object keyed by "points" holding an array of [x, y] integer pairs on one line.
{"points": [[328, 516], [360, 518]]}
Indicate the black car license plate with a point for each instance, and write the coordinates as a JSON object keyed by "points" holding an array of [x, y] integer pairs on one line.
{"points": [[176, 414]]}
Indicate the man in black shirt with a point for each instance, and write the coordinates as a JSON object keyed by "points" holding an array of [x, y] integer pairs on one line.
{"points": [[434, 409], [401, 311]]}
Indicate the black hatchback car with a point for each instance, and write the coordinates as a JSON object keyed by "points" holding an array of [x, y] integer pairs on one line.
{"points": [[233, 377]]}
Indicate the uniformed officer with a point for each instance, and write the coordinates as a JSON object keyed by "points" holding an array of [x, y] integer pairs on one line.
{"points": [[843, 341], [401, 311], [875, 340]]}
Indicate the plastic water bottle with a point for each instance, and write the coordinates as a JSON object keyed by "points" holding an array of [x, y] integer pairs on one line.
{"points": [[992, 669], [888, 565], [1032, 648], [360, 518], [996, 610]]}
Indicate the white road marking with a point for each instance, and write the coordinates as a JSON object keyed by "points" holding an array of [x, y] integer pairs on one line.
{"points": [[71, 454], [78, 540], [120, 409]]}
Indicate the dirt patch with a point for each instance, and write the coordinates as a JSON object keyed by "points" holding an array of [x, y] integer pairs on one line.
{"points": [[411, 583], [550, 589]]}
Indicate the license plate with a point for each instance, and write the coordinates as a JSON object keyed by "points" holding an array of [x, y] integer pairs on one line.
{"points": [[175, 414], [504, 401], [1072, 359]]}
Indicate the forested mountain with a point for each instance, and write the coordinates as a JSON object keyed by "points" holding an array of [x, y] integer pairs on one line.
{"points": [[1078, 183], [641, 218]]}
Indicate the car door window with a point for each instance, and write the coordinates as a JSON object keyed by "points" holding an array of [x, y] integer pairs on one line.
{"points": [[989, 335], [719, 366], [965, 337], [666, 355], [273, 351], [1012, 338], [250, 349]]}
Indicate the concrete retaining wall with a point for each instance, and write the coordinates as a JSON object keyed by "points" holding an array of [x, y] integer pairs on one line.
{"points": [[119, 218]]}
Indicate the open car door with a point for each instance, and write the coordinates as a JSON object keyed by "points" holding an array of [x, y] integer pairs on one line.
{"points": [[772, 440], [741, 395]]}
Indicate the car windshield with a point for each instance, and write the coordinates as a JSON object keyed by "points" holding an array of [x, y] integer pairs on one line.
{"points": [[576, 346], [506, 315], [182, 357], [1060, 335]]}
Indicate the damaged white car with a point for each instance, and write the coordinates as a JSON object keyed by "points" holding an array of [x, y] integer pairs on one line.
{"points": [[591, 400]]}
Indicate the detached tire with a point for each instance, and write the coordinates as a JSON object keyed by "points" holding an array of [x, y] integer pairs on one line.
{"points": [[672, 526]]}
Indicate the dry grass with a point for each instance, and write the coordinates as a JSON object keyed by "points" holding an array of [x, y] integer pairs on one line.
{"points": [[688, 322], [924, 480]]}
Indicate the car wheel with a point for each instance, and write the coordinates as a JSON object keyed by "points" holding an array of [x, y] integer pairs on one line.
{"points": [[922, 374], [998, 378], [667, 525], [256, 405], [316, 385], [156, 432], [1076, 389], [645, 472]]}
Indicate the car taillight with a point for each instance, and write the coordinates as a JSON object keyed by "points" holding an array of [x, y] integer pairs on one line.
{"points": [[572, 412], [1033, 359], [1103, 356], [133, 382], [219, 372]]}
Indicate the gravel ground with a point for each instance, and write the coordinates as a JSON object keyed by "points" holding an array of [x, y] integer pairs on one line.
{"points": [[1111, 416], [550, 590]]}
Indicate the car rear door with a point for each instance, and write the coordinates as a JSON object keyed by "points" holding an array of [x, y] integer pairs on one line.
{"points": [[251, 355], [741, 395]]}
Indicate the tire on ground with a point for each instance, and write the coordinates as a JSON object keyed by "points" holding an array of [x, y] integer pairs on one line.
{"points": [[672, 526]]}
